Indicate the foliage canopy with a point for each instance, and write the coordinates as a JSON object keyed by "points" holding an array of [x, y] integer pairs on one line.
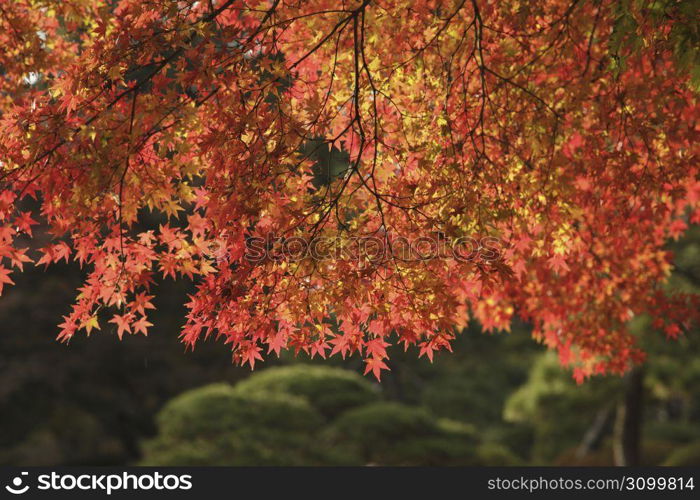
{"points": [[162, 138]]}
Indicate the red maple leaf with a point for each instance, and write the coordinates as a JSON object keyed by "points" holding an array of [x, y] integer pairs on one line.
{"points": [[375, 365], [250, 354], [141, 325], [5, 278], [123, 324]]}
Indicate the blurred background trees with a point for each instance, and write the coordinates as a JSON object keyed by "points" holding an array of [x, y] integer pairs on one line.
{"points": [[310, 415], [499, 399]]}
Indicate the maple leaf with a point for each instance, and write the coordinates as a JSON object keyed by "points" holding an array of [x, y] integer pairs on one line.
{"points": [[197, 224], [677, 228], [54, 253], [6, 234], [141, 325], [376, 327], [376, 347], [250, 354], [68, 328], [341, 344], [276, 343], [123, 323], [91, 323], [428, 349], [672, 330], [558, 263], [543, 185], [24, 222], [5, 278], [18, 258], [579, 375], [114, 73], [520, 268], [142, 302], [375, 365]]}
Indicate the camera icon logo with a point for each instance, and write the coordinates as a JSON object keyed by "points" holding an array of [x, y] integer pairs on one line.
{"points": [[16, 487]]}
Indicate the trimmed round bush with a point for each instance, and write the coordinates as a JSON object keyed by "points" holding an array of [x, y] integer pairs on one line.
{"points": [[331, 391], [215, 425], [395, 434]]}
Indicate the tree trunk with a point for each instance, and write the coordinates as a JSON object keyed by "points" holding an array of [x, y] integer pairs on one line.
{"points": [[596, 432], [628, 420]]}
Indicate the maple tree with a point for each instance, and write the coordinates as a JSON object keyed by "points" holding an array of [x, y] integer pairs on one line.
{"points": [[566, 131]]}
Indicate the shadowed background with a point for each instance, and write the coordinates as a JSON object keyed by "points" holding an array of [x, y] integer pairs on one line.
{"points": [[498, 399]]}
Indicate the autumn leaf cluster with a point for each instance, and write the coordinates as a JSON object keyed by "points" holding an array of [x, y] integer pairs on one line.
{"points": [[156, 139]]}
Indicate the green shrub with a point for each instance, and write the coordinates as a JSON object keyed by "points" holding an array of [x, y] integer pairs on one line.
{"points": [[558, 411], [330, 390], [215, 425], [494, 454], [275, 418], [677, 432], [684, 456], [395, 434], [653, 453], [68, 435]]}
